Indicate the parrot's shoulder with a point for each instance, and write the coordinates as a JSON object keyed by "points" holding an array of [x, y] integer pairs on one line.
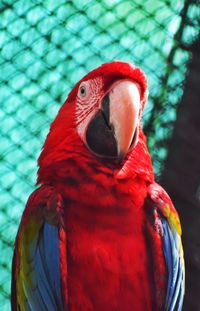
{"points": [[45, 203], [160, 200]]}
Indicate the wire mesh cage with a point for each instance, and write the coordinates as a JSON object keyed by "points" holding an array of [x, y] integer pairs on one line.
{"points": [[47, 46]]}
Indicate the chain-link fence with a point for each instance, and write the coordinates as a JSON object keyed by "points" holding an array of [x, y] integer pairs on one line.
{"points": [[46, 46]]}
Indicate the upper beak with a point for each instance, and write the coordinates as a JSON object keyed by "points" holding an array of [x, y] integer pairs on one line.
{"points": [[124, 107]]}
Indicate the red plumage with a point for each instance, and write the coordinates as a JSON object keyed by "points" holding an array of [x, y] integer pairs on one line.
{"points": [[111, 254]]}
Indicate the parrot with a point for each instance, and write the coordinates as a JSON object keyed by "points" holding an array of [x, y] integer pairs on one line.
{"points": [[99, 233]]}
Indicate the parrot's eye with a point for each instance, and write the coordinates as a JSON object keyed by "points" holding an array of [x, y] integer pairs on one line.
{"points": [[82, 92]]}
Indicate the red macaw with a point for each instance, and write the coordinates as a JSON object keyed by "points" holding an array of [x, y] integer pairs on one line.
{"points": [[99, 233]]}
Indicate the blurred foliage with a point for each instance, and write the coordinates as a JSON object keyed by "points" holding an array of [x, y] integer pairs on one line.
{"points": [[47, 46]]}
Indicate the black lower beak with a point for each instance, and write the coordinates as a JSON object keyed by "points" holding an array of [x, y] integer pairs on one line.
{"points": [[100, 134]]}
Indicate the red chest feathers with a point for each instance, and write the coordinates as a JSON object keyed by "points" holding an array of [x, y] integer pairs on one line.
{"points": [[108, 255]]}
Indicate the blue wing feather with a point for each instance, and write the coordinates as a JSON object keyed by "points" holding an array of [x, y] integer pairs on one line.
{"points": [[177, 288], [34, 299], [45, 290], [175, 284], [181, 294], [43, 281], [51, 247]]}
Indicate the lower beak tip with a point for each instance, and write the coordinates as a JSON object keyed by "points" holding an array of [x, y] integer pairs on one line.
{"points": [[120, 156]]}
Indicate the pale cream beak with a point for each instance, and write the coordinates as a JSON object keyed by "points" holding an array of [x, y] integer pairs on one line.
{"points": [[124, 114]]}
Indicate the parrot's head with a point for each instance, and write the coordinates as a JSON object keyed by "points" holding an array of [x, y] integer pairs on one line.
{"points": [[101, 116], [109, 102]]}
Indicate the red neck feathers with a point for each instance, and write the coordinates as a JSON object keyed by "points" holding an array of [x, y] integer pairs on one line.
{"points": [[63, 145]]}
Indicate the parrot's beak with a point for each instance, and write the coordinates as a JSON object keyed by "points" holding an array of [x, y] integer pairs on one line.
{"points": [[124, 108], [114, 127]]}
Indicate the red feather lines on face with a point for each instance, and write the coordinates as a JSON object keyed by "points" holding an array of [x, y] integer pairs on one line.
{"points": [[87, 104], [81, 115]]}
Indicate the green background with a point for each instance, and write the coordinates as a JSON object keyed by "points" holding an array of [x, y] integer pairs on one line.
{"points": [[46, 47]]}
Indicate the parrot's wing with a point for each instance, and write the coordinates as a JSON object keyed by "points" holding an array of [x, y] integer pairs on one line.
{"points": [[172, 246], [40, 250]]}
